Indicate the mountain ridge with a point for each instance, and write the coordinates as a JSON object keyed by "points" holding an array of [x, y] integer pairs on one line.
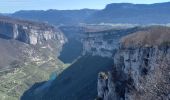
{"points": [[113, 13]]}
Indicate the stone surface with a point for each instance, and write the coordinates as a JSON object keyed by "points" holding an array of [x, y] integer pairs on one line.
{"points": [[104, 43], [139, 72], [29, 32]]}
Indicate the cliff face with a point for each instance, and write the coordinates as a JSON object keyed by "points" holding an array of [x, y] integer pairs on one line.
{"points": [[38, 36], [29, 32], [74, 35], [140, 72], [104, 43], [33, 40], [74, 44]]}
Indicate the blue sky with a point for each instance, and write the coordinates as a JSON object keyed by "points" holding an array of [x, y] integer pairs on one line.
{"points": [[8, 6]]}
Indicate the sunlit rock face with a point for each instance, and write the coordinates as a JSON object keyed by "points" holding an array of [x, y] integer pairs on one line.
{"points": [[140, 72], [29, 40], [29, 32], [104, 43]]}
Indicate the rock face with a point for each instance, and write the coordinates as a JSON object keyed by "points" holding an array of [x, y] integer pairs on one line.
{"points": [[74, 35], [29, 40], [140, 72], [104, 43], [28, 32], [38, 36]]}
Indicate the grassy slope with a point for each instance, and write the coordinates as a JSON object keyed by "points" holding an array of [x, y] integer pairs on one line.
{"points": [[15, 82], [149, 36]]}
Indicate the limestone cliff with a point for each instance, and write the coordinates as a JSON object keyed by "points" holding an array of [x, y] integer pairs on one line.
{"points": [[104, 43], [29, 32], [141, 68], [32, 40]]}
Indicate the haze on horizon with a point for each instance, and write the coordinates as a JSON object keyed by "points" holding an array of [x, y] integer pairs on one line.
{"points": [[10, 6]]}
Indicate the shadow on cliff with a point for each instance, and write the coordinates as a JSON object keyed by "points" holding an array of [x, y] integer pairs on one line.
{"points": [[71, 51], [77, 82]]}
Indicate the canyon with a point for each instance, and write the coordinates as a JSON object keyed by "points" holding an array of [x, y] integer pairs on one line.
{"points": [[88, 54], [135, 66]]}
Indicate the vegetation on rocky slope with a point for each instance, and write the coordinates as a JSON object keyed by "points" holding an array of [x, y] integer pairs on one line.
{"points": [[16, 81], [147, 37], [22, 63]]}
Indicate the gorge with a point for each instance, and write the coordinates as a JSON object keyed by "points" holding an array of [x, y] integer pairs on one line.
{"points": [[121, 52]]}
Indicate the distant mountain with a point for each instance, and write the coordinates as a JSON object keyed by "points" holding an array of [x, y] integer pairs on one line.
{"points": [[113, 13], [57, 17], [133, 13]]}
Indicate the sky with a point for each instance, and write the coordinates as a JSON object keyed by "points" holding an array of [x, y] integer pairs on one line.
{"points": [[10, 6]]}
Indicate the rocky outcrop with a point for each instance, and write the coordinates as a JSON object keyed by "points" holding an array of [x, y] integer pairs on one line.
{"points": [[140, 72], [104, 43], [29, 32]]}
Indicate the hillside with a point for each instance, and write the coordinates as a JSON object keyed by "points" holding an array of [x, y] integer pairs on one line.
{"points": [[28, 55], [147, 37]]}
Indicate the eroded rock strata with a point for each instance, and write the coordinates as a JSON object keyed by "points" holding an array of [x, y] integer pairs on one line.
{"points": [[141, 68]]}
